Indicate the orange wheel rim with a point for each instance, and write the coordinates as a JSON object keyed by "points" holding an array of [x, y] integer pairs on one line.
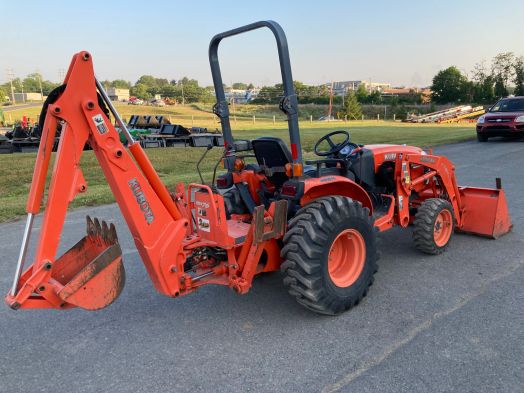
{"points": [[346, 258], [443, 228]]}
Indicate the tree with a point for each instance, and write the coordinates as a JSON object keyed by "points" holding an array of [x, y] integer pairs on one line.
{"points": [[120, 84], [140, 90], [519, 76], [502, 68], [362, 94], [32, 83], [483, 92], [374, 98], [250, 86], [239, 86], [500, 87], [449, 86], [3, 95], [352, 108], [146, 80]]}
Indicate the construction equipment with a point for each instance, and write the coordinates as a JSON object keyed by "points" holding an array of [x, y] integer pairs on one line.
{"points": [[315, 221]]}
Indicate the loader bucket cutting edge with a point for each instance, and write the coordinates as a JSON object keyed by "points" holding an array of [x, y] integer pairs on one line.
{"points": [[92, 272], [484, 212]]}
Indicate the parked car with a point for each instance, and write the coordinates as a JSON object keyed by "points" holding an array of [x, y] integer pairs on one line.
{"points": [[158, 103], [135, 101], [505, 118]]}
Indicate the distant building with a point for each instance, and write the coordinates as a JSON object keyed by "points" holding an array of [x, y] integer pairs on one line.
{"points": [[425, 93], [22, 97], [118, 94], [342, 87], [241, 96]]}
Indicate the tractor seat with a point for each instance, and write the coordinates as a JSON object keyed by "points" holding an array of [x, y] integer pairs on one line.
{"points": [[272, 155]]}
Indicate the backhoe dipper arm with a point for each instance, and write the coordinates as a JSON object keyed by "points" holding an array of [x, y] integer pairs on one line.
{"points": [[157, 226]]}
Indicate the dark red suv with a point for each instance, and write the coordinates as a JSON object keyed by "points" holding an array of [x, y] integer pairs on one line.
{"points": [[505, 118]]}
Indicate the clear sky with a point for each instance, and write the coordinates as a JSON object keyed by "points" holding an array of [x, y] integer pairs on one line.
{"points": [[402, 42]]}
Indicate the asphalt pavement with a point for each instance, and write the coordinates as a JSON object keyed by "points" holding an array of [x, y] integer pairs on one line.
{"points": [[447, 323], [10, 108]]}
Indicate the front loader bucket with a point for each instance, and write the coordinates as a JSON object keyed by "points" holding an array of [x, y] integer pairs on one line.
{"points": [[484, 211], [91, 272]]}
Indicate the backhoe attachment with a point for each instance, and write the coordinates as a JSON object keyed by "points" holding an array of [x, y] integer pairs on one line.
{"points": [[91, 274]]}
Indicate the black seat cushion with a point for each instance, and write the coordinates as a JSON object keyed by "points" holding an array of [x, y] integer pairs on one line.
{"points": [[272, 154]]}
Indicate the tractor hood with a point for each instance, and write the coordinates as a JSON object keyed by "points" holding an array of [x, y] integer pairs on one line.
{"points": [[379, 149]]}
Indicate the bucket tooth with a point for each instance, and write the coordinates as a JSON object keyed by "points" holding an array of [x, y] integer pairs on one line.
{"points": [[105, 232], [98, 227], [90, 227], [112, 233]]}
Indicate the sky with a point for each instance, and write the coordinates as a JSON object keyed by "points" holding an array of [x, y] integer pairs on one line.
{"points": [[401, 42]]}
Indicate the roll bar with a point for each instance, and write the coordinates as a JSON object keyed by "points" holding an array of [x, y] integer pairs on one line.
{"points": [[288, 103]]}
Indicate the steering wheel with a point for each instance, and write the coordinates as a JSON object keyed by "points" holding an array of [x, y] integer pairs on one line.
{"points": [[335, 147]]}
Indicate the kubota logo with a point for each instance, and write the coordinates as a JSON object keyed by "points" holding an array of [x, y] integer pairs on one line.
{"points": [[142, 201]]}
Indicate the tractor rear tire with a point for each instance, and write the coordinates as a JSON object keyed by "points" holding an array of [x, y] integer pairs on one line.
{"points": [[433, 226], [330, 255]]}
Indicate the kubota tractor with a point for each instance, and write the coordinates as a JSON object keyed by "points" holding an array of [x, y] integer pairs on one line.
{"points": [[315, 221]]}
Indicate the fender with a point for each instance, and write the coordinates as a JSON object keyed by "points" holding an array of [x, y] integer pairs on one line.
{"points": [[335, 185]]}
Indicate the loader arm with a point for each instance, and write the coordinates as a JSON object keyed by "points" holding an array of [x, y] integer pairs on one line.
{"points": [[156, 224]]}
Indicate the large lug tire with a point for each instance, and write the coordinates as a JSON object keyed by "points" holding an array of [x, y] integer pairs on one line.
{"points": [[433, 226], [330, 255], [482, 138]]}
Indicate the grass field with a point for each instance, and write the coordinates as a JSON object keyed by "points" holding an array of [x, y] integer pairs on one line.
{"points": [[178, 164]]}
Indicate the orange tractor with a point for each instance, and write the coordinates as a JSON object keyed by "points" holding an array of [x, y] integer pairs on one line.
{"points": [[316, 221]]}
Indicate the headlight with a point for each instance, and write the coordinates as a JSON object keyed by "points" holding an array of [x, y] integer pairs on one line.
{"points": [[520, 119], [481, 119]]}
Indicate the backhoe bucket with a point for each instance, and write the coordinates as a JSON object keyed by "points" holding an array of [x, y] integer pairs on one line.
{"points": [[92, 271], [485, 211]]}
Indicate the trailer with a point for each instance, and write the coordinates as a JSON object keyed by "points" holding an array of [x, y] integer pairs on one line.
{"points": [[449, 115], [171, 135]]}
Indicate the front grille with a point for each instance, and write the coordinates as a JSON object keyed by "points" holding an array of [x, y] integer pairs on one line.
{"points": [[499, 120], [520, 127], [498, 128]]}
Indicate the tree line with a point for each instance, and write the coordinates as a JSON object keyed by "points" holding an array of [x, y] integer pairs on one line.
{"points": [[307, 94], [30, 84], [488, 82]]}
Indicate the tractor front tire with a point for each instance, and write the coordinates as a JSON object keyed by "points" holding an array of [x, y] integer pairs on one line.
{"points": [[330, 255], [433, 226]]}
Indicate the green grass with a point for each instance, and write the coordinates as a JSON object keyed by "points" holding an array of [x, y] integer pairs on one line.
{"points": [[178, 164]]}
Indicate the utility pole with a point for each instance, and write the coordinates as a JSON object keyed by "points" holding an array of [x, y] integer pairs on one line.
{"points": [[183, 97], [22, 86], [330, 101], [10, 75], [40, 83], [61, 75]]}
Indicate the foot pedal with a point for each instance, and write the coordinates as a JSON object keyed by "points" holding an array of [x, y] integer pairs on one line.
{"points": [[92, 271]]}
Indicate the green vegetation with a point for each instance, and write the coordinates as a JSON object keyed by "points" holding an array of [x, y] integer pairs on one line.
{"points": [[30, 84], [351, 109], [487, 85], [178, 164]]}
